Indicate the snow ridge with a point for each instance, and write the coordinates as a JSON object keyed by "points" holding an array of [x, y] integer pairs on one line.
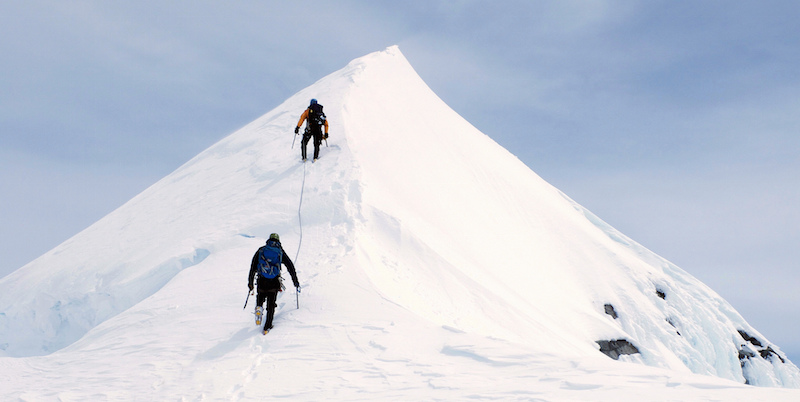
{"points": [[422, 246]]}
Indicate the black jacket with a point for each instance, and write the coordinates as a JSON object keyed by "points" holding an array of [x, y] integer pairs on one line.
{"points": [[273, 283]]}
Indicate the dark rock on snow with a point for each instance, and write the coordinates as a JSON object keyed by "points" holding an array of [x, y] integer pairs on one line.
{"points": [[610, 311], [615, 348]]}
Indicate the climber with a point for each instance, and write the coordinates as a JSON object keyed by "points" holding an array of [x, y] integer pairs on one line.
{"points": [[315, 119], [267, 265]]}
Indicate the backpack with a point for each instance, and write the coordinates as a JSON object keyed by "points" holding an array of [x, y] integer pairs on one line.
{"points": [[269, 260], [315, 115]]}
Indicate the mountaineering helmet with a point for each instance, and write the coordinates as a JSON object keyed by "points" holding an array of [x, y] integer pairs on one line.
{"points": [[313, 101], [274, 236]]}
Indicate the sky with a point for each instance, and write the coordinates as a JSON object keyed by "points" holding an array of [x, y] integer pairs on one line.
{"points": [[674, 121]]}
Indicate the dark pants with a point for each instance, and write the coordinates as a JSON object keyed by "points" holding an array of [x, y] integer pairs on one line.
{"points": [[268, 290], [317, 134]]}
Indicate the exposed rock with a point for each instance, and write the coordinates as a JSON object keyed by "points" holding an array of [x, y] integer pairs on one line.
{"points": [[615, 348], [610, 311], [661, 294], [766, 353], [749, 338], [745, 354], [754, 348], [669, 321]]}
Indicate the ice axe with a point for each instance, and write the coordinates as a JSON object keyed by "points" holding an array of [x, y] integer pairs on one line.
{"points": [[249, 292]]}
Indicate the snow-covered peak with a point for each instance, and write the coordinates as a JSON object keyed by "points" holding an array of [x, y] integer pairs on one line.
{"points": [[538, 267], [417, 240]]}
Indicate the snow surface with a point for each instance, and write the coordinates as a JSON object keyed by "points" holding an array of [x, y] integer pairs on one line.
{"points": [[433, 263]]}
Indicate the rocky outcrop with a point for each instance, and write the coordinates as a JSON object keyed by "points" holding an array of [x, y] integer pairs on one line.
{"points": [[752, 348], [615, 348], [610, 311]]}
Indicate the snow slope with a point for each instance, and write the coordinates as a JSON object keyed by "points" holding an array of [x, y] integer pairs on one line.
{"points": [[434, 265]]}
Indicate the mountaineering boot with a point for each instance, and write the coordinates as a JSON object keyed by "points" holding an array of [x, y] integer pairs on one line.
{"points": [[259, 314], [266, 330]]}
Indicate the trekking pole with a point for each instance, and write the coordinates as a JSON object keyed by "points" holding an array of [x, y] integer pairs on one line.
{"points": [[297, 296], [247, 300]]}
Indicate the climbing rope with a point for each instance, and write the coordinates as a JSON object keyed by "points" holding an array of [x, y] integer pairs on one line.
{"points": [[299, 215]]}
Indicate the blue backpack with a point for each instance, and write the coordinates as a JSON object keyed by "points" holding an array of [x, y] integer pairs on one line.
{"points": [[269, 260]]}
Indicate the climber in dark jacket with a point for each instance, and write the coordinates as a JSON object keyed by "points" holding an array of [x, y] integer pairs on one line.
{"points": [[268, 287]]}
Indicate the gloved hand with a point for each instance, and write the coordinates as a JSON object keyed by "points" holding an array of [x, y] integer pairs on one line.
{"points": [[297, 130], [297, 287], [250, 286], [325, 136]]}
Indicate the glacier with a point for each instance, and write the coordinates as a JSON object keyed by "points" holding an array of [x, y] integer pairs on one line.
{"points": [[434, 265]]}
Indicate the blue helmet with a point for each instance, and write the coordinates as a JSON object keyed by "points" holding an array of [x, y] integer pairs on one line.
{"points": [[313, 101]]}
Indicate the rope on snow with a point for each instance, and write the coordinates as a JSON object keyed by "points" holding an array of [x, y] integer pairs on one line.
{"points": [[299, 215]]}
